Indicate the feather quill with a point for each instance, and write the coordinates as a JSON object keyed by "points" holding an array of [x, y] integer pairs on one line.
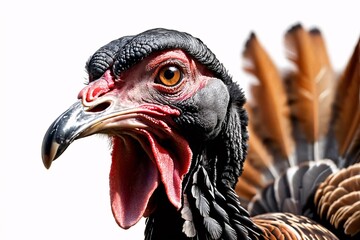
{"points": [[312, 83], [271, 95], [325, 81]]}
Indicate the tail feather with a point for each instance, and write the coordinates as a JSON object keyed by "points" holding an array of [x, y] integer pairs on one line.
{"points": [[258, 153], [311, 86], [270, 94], [247, 189], [346, 116], [303, 127]]}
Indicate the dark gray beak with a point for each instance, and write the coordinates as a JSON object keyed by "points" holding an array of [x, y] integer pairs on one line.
{"points": [[74, 123]]}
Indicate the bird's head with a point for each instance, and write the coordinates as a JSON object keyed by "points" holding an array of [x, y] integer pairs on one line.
{"points": [[168, 106]]}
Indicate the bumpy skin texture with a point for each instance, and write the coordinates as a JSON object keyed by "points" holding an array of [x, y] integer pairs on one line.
{"points": [[124, 52]]}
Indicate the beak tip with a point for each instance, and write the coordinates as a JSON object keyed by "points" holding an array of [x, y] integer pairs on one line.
{"points": [[47, 161]]}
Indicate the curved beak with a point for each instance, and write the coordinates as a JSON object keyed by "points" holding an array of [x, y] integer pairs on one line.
{"points": [[68, 127], [81, 121], [105, 115]]}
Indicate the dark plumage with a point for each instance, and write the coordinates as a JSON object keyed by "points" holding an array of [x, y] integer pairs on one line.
{"points": [[179, 136]]}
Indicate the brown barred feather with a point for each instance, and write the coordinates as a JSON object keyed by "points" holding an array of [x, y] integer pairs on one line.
{"points": [[338, 200], [290, 226]]}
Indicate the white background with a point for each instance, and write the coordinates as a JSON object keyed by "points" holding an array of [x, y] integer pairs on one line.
{"points": [[43, 49]]}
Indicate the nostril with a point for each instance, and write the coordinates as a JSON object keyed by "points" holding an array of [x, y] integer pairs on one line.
{"points": [[100, 107], [97, 88]]}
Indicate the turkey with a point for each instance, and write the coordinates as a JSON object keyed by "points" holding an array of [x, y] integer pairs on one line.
{"points": [[178, 125]]}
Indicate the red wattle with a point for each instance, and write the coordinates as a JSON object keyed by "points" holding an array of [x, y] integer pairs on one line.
{"points": [[138, 166], [133, 179]]}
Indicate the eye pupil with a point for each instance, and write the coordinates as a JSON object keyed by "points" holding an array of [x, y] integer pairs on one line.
{"points": [[169, 73]]}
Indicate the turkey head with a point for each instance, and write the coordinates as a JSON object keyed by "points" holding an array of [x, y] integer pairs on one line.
{"points": [[171, 111]]}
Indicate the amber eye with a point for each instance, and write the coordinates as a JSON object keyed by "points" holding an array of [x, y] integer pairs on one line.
{"points": [[169, 75]]}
